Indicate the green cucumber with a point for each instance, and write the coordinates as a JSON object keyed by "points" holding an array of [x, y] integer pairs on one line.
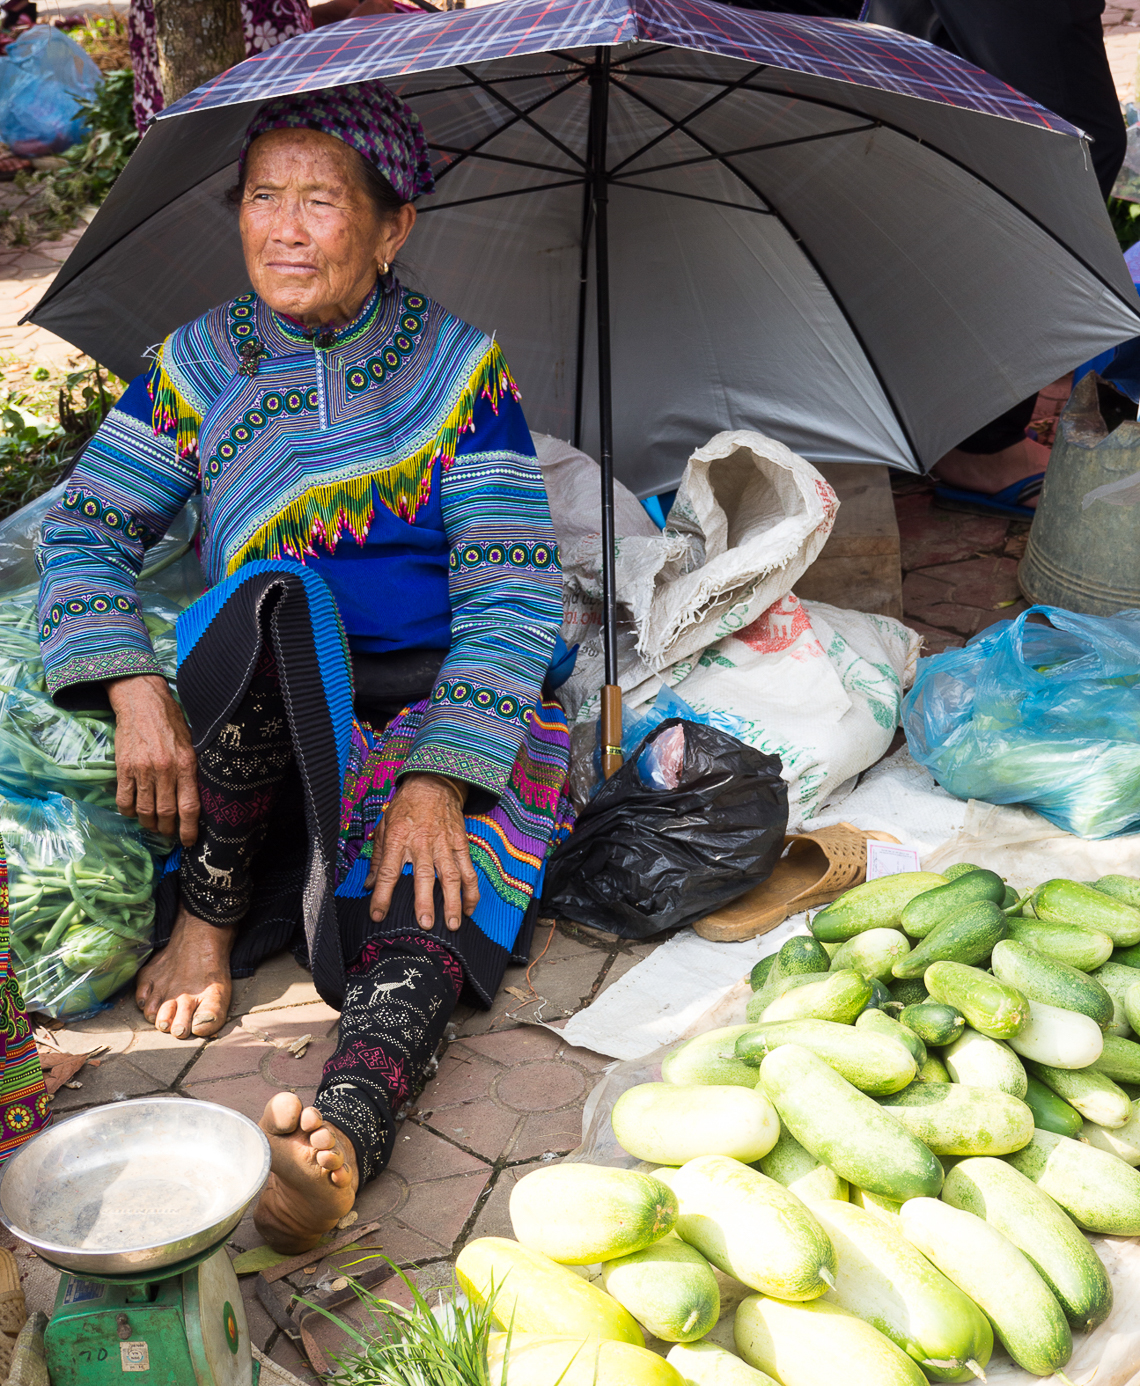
{"points": [[709, 1058], [845, 1129], [1010, 900], [880, 996], [922, 914], [1019, 1210], [873, 905], [1068, 902], [669, 1288], [1055, 983], [960, 868], [1132, 1006], [873, 953], [1116, 978], [1059, 1038], [998, 1277], [1050, 1112], [759, 974], [966, 936], [955, 1120], [980, 1062], [909, 991], [672, 1123], [1126, 888], [788, 1163], [1122, 1141], [1096, 1097], [752, 1228], [877, 1023], [1129, 957], [990, 1006], [1098, 1191], [885, 1209], [797, 957], [1119, 1060], [873, 1063], [706, 1364], [885, 1281], [837, 996], [1068, 943], [932, 1071], [934, 1023]]}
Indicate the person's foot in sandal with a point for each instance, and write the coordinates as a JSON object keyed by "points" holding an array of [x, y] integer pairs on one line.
{"points": [[1015, 471], [816, 869]]}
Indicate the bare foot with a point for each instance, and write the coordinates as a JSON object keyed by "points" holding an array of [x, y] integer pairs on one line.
{"points": [[993, 472], [186, 988], [313, 1181]]}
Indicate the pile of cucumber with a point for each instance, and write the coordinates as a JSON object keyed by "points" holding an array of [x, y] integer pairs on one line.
{"points": [[891, 1165]]}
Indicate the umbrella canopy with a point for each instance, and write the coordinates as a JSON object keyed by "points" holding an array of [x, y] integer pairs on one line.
{"points": [[828, 231]]}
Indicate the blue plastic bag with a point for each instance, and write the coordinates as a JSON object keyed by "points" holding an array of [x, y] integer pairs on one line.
{"points": [[43, 77], [1047, 716]]}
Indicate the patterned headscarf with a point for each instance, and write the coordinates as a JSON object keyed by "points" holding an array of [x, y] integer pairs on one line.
{"points": [[365, 115]]}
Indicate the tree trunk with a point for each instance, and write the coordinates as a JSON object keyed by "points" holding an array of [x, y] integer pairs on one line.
{"points": [[197, 39]]}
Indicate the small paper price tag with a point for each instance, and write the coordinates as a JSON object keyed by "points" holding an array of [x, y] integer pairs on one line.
{"points": [[135, 1357], [889, 858]]}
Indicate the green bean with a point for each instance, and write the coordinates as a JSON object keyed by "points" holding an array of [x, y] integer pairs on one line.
{"points": [[61, 926]]}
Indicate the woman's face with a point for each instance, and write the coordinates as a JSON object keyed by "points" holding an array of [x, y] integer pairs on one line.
{"points": [[313, 238]]}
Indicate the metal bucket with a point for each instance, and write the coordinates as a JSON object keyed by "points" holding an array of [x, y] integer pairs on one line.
{"points": [[1084, 553]]}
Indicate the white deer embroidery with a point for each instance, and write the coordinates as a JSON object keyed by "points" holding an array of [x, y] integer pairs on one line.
{"points": [[382, 988], [218, 877]]}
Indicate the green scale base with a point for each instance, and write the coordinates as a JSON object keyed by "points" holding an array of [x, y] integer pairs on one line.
{"points": [[186, 1327]]}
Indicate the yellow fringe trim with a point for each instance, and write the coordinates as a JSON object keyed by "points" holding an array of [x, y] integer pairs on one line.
{"points": [[325, 512], [171, 410]]}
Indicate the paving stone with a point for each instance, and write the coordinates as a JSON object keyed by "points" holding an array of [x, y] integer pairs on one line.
{"points": [[494, 1218], [979, 582], [480, 1124], [234, 1052], [934, 640], [546, 1133], [623, 962], [286, 1355], [113, 1081], [304, 1072], [525, 1044], [247, 1094], [280, 981], [161, 1056], [540, 1087], [314, 1019], [381, 1198], [420, 1156], [931, 536], [261, 1326], [464, 1076]]}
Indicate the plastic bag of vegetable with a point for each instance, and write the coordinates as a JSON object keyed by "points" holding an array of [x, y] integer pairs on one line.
{"points": [[1044, 715], [643, 858], [81, 888]]}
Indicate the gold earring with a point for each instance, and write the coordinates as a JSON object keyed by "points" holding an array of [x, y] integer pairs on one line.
{"points": [[385, 269]]}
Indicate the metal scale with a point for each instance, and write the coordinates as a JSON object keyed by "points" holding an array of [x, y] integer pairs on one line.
{"points": [[134, 1203]]}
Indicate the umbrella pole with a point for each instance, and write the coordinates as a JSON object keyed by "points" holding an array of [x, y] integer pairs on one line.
{"points": [[599, 133]]}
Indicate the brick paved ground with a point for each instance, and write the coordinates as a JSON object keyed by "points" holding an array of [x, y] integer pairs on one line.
{"points": [[507, 1094]]}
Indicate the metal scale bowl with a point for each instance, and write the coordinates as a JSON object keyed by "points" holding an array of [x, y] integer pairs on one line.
{"points": [[134, 1202]]}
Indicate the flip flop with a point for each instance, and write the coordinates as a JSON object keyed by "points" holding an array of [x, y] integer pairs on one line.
{"points": [[816, 869], [1009, 502]]}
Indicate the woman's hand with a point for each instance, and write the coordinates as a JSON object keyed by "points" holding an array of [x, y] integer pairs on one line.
{"points": [[154, 759], [424, 825]]}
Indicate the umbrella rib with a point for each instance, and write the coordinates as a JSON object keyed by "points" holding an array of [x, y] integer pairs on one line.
{"points": [[752, 149], [675, 125], [520, 114], [469, 86], [473, 149], [697, 197], [494, 197], [477, 153], [816, 266]]}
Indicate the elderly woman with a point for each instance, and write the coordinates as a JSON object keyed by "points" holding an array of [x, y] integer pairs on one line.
{"points": [[376, 533]]}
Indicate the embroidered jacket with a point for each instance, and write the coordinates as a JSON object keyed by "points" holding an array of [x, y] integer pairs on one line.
{"points": [[391, 455]]}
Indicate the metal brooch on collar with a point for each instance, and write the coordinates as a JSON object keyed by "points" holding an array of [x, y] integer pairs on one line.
{"points": [[252, 354]]}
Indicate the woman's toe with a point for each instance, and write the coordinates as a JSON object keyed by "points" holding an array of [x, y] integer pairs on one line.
{"points": [[162, 1017]]}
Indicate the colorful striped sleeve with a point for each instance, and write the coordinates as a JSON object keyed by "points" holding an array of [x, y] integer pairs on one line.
{"points": [[129, 485], [506, 603]]}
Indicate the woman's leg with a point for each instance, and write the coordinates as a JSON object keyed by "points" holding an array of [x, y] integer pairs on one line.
{"points": [[399, 997], [186, 988]]}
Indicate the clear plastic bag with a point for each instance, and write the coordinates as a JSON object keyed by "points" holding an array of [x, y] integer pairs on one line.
{"points": [[81, 902], [43, 78], [1044, 715]]}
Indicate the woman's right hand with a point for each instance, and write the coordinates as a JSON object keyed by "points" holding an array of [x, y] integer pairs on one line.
{"points": [[154, 759]]}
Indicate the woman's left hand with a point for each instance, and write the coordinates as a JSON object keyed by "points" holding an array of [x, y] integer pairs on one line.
{"points": [[424, 825]]}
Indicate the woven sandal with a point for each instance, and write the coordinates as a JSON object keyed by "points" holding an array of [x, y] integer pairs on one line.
{"points": [[13, 1311], [817, 868]]}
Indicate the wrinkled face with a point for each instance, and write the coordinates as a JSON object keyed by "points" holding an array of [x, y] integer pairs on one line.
{"points": [[312, 236]]}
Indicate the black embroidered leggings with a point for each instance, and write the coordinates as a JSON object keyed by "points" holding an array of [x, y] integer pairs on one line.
{"points": [[400, 992]]}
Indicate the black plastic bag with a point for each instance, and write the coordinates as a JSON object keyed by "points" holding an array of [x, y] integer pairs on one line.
{"points": [[641, 860]]}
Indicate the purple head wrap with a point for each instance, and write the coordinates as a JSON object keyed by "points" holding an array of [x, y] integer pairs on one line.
{"points": [[365, 115]]}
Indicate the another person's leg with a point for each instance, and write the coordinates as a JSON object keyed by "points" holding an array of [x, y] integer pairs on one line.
{"points": [[185, 989], [399, 997]]}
